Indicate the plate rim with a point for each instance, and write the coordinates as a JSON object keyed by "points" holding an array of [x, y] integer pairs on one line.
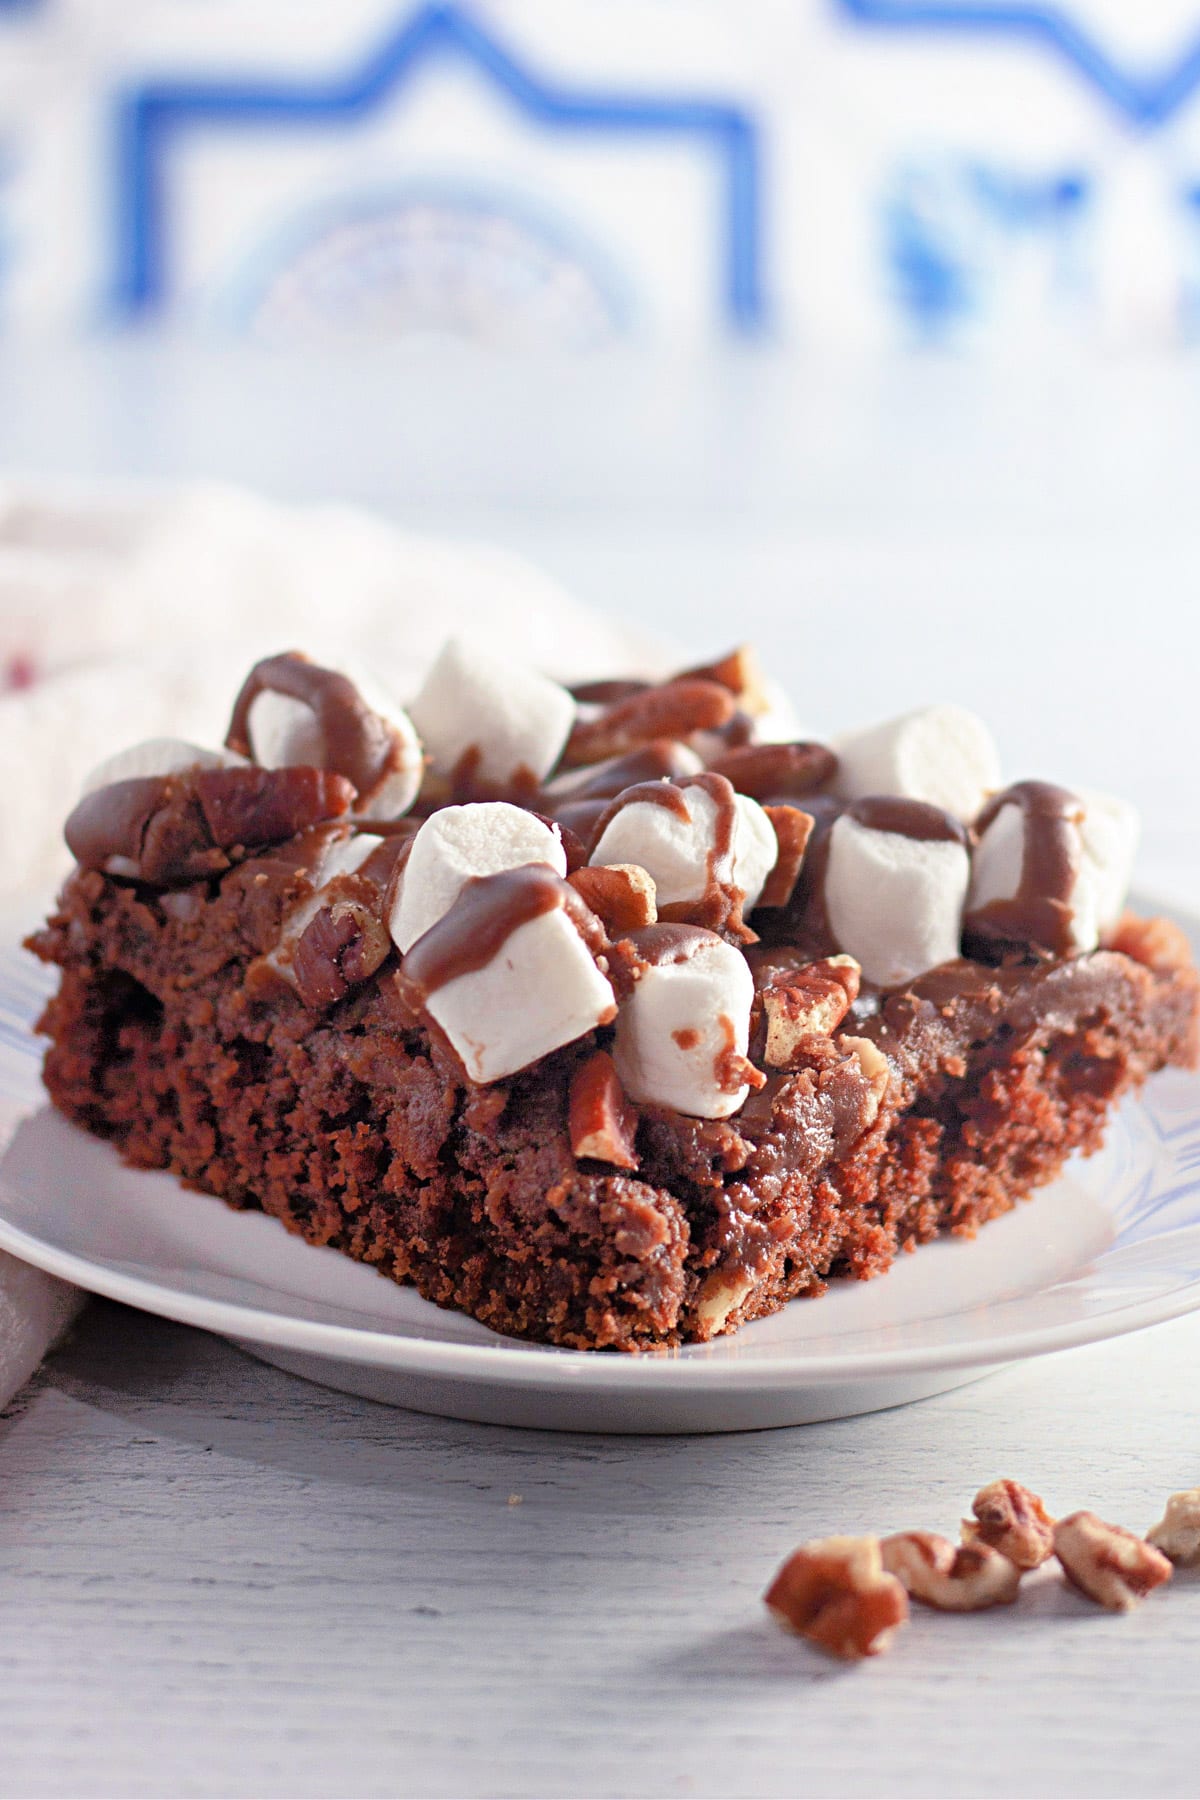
{"points": [[511, 1362]]}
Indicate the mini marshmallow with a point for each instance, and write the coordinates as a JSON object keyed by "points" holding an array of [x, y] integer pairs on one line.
{"points": [[689, 1012], [515, 721], [158, 756], [284, 733], [1100, 835], [457, 843], [675, 843], [542, 989], [894, 903], [942, 754], [1111, 829]]}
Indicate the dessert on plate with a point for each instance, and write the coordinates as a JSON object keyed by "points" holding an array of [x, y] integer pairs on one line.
{"points": [[615, 1017]]}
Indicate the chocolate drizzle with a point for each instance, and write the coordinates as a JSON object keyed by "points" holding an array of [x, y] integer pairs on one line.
{"points": [[908, 818], [483, 918], [1040, 914], [357, 742]]}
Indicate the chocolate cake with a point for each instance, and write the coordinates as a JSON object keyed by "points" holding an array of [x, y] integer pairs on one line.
{"points": [[597, 1013]]}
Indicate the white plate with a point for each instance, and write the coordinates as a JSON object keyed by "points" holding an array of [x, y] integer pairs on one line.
{"points": [[1112, 1246]]}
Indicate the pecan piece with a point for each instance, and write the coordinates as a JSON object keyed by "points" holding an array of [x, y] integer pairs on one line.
{"points": [[1110, 1565], [266, 806], [793, 829], [836, 1593], [674, 710], [172, 829], [620, 894], [875, 1069], [808, 1002], [739, 671], [1159, 943], [950, 1577], [776, 771], [601, 1121], [339, 947], [1177, 1533], [1013, 1520]]}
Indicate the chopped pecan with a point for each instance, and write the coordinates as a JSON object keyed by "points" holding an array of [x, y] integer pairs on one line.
{"points": [[836, 1593], [1159, 943], [950, 1577], [720, 1295], [267, 806], [1011, 1519], [807, 1002], [793, 829], [620, 894], [1177, 1533], [674, 710], [601, 1121], [777, 771], [1110, 1565], [340, 946], [740, 672], [173, 829], [875, 1067]]}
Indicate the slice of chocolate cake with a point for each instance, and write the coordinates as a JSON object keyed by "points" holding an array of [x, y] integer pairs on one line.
{"points": [[592, 1013]]}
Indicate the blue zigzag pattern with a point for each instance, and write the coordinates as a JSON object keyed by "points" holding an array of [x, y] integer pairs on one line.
{"points": [[1146, 100], [150, 117]]}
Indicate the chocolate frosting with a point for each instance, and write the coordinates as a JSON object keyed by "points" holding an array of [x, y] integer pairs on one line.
{"points": [[908, 818], [1041, 911], [358, 743], [483, 918]]}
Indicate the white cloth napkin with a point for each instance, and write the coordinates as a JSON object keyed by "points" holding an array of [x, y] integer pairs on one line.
{"points": [[126, 615]]}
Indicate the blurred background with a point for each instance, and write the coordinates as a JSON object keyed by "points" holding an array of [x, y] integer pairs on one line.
{"points": [[862, 328]]}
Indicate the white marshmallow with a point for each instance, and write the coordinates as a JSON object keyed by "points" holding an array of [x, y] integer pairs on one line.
{"points": [[1111, 829], [894, 903], [1104, 840], [460, 842], [941, 754], [284, 733], [517, 720], [343, 856], [540, 991], [778, 721], [679, 1021], [676, 850], [158, 756]]}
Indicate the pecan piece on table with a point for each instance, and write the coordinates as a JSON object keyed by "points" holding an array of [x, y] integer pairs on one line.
{"points": [[836, 1593]]}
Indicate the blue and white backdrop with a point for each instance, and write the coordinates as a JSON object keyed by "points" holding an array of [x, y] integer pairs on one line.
{"points": [[566, 172]]}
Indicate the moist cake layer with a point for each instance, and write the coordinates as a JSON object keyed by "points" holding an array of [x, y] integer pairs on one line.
{"points": [[929, 1109]]}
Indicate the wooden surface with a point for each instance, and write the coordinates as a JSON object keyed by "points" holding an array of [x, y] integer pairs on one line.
{"points": [[216, 1579]]}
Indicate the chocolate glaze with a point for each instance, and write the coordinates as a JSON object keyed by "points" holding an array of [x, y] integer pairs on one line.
{"points": [[908, 818], [483, 918], [1040, 912], [657, 945], [358, 743]]}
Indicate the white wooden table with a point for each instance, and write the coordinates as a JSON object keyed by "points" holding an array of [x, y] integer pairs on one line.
{"points": [[215, 1579]]}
